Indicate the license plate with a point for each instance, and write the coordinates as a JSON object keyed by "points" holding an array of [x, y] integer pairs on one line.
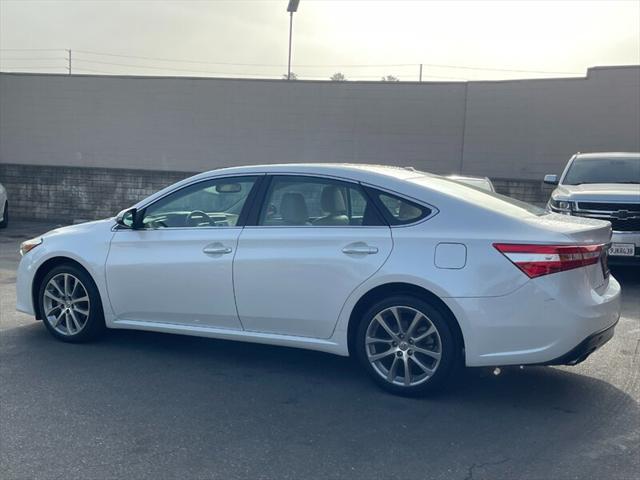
{"points": [[622, 249]]}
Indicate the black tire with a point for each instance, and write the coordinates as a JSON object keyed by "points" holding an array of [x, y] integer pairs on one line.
{"points": [[5, 221], [449, 348], [94, 325]]}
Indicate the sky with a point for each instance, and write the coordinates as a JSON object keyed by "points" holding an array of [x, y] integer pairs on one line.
{"points": [[364, 40]]}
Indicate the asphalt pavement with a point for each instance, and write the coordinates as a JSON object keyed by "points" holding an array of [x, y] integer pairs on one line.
{"points": [[155, 406]]}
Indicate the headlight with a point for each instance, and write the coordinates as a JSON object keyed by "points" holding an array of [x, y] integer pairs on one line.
{"points": [[561, 206], [29, 245]]}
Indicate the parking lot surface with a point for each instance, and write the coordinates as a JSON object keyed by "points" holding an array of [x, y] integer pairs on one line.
{"points": [[154, 406]]}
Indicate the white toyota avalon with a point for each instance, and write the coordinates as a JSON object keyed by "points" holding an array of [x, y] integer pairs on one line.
{"points": [[411, 273]]}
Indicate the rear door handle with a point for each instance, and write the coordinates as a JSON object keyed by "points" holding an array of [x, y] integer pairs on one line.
{"points": [[216, 249], [359, 249]]}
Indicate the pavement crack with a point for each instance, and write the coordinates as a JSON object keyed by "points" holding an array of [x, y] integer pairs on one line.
{"points": [[475, 466]]}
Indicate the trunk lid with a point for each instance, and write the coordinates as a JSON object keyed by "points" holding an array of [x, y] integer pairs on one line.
{"points": [[579, 230]]}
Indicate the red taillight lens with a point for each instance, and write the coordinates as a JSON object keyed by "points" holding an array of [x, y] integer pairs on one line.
{"points": [[538, 260]]}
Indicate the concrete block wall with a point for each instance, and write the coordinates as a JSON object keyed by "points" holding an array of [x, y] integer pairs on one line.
{"points": [[72, 194]]}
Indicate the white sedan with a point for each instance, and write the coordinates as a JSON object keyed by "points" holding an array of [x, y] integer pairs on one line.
{"points": [[410, 272]]}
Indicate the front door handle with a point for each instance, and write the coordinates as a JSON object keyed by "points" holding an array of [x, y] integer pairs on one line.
{"points": [[216, 249], [359, 249]]}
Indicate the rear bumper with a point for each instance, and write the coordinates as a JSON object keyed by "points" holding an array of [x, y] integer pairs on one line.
{"points": [[546, 321], [584, 348]]}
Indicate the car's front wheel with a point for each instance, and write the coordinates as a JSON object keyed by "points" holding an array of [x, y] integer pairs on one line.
{"points": [[70, 304], [406, 345]]}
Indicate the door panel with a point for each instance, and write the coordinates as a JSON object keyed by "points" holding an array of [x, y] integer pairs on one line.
{"points": [[174, 275], [177, 265], [295, 280]]}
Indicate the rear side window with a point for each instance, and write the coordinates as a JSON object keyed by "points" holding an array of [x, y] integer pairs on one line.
{"points": [[400, 211]]}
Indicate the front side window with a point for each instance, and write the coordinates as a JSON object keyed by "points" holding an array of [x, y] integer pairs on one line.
{"points": [[312, 201], [211, 203], [400, 211]]}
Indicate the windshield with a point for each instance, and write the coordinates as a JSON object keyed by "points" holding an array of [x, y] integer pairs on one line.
{"points": [[603, 170]]}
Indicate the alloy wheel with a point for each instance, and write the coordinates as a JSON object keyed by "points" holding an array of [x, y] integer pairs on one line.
{"points": [[403, 346], [66, 304]]}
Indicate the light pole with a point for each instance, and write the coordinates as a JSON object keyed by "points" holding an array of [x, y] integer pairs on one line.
{"points": [[292, 7]]}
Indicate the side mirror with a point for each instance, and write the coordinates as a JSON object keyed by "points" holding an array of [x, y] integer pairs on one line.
{"points": [[551, 179], [127, 218]]}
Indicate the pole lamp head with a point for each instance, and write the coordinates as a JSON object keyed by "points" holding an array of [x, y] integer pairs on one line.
{"points": [[293, 6]]}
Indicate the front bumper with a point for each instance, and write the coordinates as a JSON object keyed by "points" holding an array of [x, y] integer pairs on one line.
{"points": [[25, 274]]}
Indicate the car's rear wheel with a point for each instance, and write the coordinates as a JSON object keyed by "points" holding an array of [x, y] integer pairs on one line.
{"points": [[70, 304], [406, 345], [5, 216]]}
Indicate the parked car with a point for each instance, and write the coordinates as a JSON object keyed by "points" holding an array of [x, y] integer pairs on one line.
{"points": [[411, 273], [4, 207], [479, 182], [605, 186]]}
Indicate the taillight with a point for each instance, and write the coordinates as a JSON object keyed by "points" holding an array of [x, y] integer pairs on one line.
{"points": [[537, 260]]}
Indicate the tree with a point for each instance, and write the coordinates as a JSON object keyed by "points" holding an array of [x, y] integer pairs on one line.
{"points": [[390, 78], [338, 77], [293, 76]]}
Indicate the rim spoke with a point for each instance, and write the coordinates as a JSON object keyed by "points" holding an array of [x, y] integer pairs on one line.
{"points": [[65, 283], [378, 340], [407, 372], [424, 335], [81, 299], [47, 293], [67, 322], [76, 323], [430, 353], [396, 316], [421, 365], [386, 327], [378, 356], [57, 287], [52, 309], [79, 310], [414, 324], [391, 375], [75, 285], [58, 318]]}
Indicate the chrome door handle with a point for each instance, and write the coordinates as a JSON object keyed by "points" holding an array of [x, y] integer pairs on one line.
{"points": [[359, 249], [216, 250]]}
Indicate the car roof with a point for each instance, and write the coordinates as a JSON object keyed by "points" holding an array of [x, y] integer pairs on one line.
{"points": [[359, 172], [608, 155]]}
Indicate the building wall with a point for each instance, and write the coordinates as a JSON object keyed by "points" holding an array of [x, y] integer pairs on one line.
{"points": [[121, 138], [524, 129]]}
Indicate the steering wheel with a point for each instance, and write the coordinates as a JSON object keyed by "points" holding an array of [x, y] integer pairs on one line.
{"points": [[197, 214]]}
